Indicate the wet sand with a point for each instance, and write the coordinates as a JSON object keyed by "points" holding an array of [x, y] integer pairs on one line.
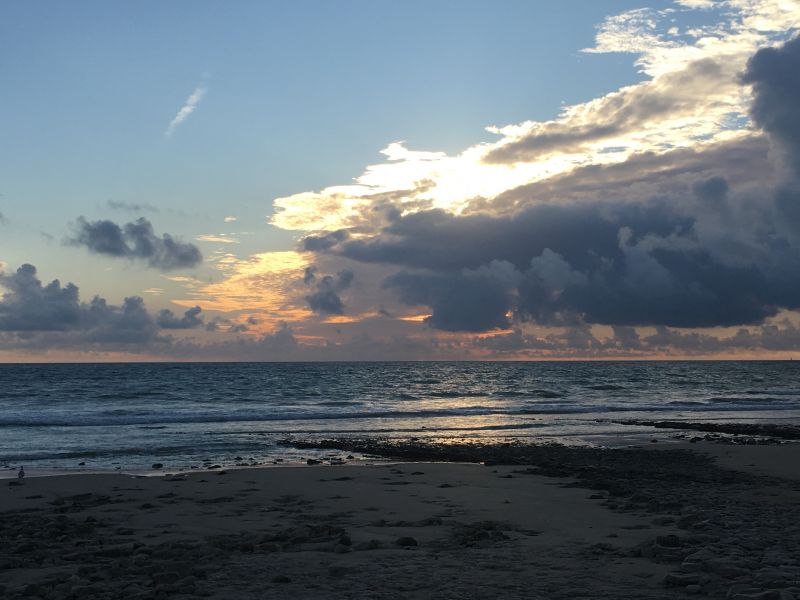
{"points": [[532, 522]]}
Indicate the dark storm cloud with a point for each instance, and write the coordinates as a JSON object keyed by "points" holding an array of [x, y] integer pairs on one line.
{"points": [[309, 275], [323, 242], [619, 264], [29, 309], [135, 241], [713, 190], [689, 250], [325, 299], [472, 300], [744, 164], [774, 74], [166, 319]]}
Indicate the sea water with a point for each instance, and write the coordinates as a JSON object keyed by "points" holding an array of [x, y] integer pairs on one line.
{"points": [[129, 416]]}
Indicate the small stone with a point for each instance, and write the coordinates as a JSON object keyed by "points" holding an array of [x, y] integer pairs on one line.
{"points": [[32, 589], [669, 541], [281, 579], [406, 541], [167, 577], [370, 545], [681, 579], [337, 571], [694, 589], [158, 465]]}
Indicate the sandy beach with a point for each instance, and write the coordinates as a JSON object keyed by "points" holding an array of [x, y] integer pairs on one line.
{"points": [[558, 523]]}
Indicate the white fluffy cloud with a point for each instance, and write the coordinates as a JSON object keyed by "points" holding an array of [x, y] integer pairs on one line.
{"points": [[692, 98]]}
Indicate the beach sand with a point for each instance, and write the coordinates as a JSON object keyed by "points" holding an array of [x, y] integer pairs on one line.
{"points": [[634, 525]]}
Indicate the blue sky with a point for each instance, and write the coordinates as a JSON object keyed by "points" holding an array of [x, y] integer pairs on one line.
{"points": [[297, 97]]}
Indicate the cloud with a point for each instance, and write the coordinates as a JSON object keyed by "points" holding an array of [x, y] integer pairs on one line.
{"points": [[325, 299], [30, 310], [691, 99], [2, 219], [187, 109], [773, 73], [131, 207], [166, 319], [135, 241], [36, 318], [702, 236], [698, 91], [703, 256], [29, 306], [230, 219], [687, 263], [470, 300], [219, 239]]}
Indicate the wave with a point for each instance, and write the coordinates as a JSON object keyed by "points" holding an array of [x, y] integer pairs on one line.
{"points": [[155, 451], [546, 394], [337, 411], [97, 420], [606, 387], [750, 400]]}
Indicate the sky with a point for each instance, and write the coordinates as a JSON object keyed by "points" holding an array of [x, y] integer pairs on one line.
{"points": [[367, 180]]}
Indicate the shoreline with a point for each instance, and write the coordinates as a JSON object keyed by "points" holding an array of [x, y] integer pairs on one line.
{"points": [[656, 521]]}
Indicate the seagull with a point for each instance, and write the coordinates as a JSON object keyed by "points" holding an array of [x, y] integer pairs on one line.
{"points": [[21, 474]]}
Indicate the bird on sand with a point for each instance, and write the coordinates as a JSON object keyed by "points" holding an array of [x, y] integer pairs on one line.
{"points": [[21, 474]]}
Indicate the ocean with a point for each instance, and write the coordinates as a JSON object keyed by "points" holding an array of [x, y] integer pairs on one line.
{"points": [[73, 417]]}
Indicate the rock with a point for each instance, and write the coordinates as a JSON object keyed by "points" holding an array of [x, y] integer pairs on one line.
{"points": [[158, 465], [313, 461], [337, 571], [86, 591], [370, 545], [681, 579], [694, 589], [33, 589], [406, 541], [725, 568], [281, 579], [669, 541], [166, 577], [765, 595]]}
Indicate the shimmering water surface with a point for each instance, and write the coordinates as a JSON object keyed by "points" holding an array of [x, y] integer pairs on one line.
{"points": [[129, 416]]}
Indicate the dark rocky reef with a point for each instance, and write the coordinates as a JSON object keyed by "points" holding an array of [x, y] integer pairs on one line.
{"points": [[766, 432]]}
